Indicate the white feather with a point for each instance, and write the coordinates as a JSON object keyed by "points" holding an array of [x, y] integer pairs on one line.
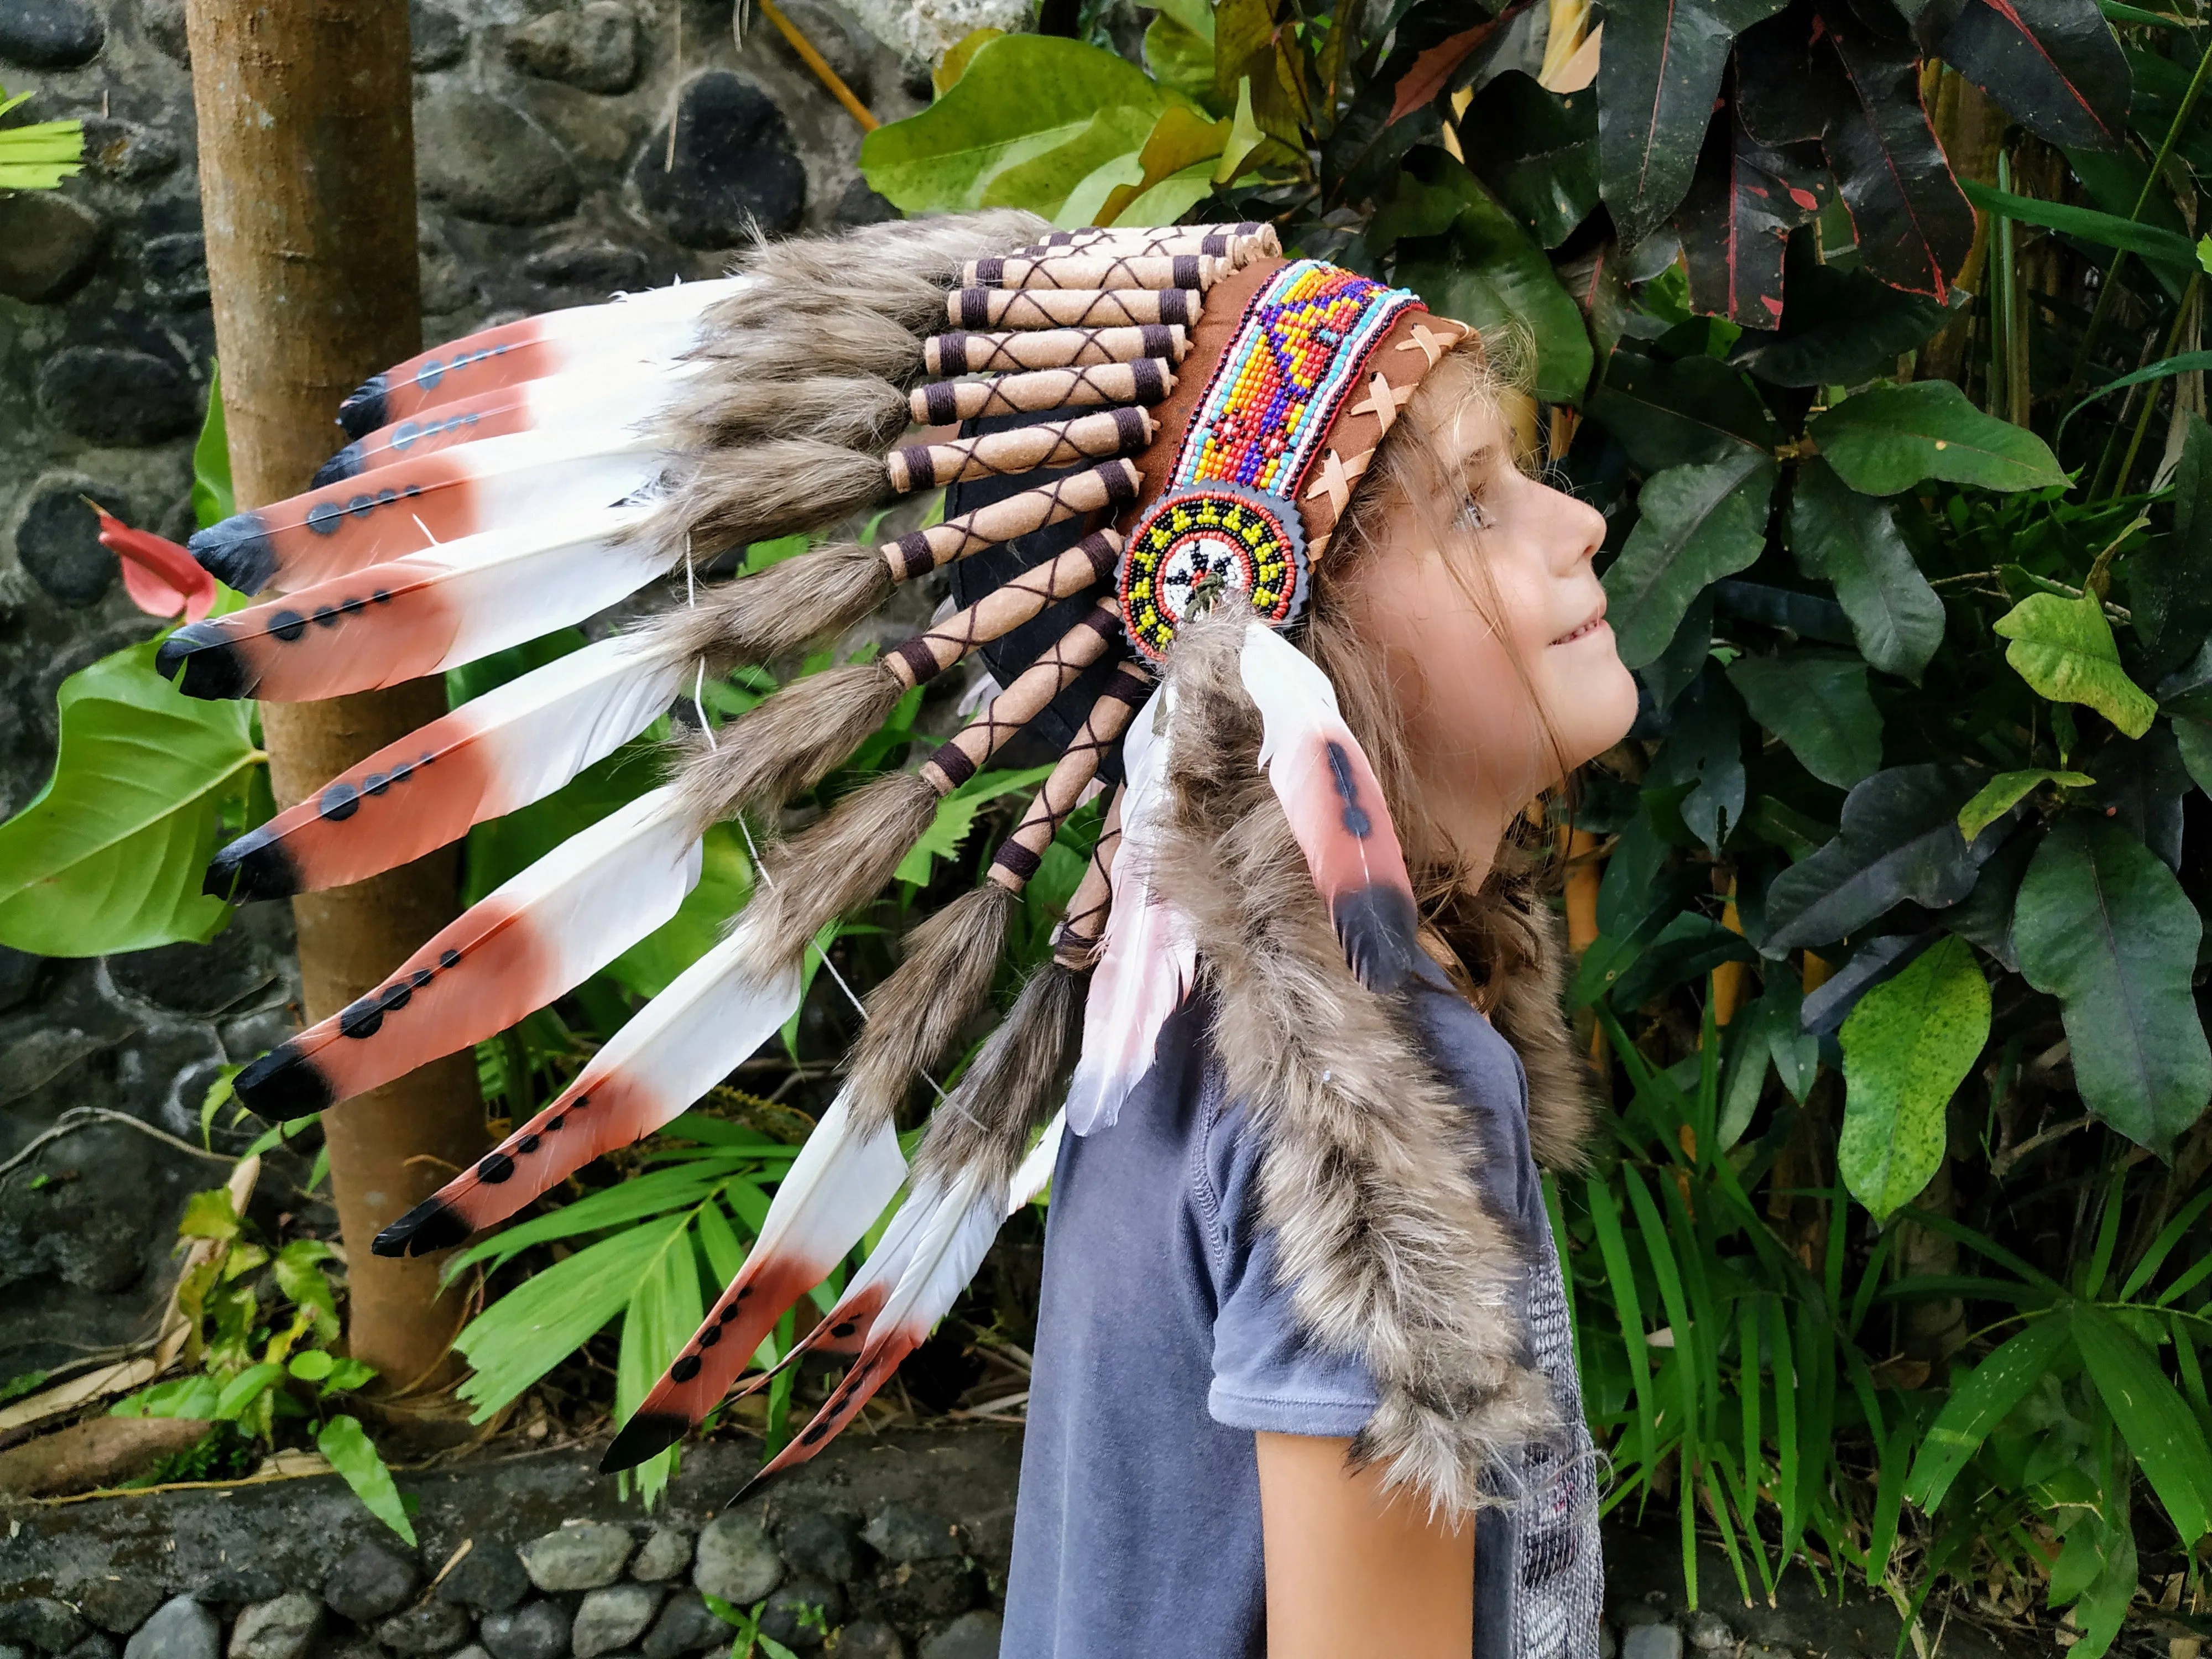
{"points": [[834, 1191], [1149, 954], [540, 729], [960, 1224], [1036, 1169]]}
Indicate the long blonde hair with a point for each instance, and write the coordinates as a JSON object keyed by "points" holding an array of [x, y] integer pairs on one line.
{"points": [[1489, 924]]}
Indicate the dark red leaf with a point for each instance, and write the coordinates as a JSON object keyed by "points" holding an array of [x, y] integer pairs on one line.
{"points": [[2053, 64], [1656, 81], [1735, 223], [1433, 69], [1913, 224], [1789, 85]]}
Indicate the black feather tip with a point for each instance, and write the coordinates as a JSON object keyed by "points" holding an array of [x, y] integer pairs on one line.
{"points": [[647, 1435], [212, 667], [340, 467], [1377, 926], [433, 1225], [282, 1083], [237, 552], [362, 411], [254, 867]]}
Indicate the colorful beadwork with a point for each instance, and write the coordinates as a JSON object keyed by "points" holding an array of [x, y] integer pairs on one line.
{"points": [[1297, 352], [1238, 540]]}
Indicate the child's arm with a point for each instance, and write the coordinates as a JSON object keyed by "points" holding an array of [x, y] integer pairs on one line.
{"points": [[1350, 1571]]}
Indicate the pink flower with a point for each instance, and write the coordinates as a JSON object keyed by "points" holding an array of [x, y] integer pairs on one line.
{"points": [[161, 577]]}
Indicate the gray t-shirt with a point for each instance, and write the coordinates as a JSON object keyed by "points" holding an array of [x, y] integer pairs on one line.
{"points": [[1164, 1341]]}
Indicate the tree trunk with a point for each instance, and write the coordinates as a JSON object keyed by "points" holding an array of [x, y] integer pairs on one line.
{"points": [[308, 184]]}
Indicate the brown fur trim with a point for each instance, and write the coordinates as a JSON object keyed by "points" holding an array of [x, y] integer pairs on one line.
{"points": [[917, 1013], [1019, 1078], [785, 744], [859, 411], [901, 270], [758, 618], [725, 497], [1382, 1234], [840, 860]]}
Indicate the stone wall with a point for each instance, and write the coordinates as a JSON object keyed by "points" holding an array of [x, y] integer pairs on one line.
{"points": [[550, 176]]}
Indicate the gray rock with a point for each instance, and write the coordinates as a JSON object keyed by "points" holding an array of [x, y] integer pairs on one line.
{"points": [[860, 205], [971, 1636], [737, 1560], [913, 1593], [841, 44], [489, 162], [180, 1629], [901, 1533], [825, 1546], [1629, 1615], [803, 1613], [97, 1645], [10, 1650], [539, 1630], [285, 1628], [49, 245], [472, 1651], [434, 1627], [490, 1578], [41, 1621], [1709, 1633], [666, 1554], [369, 1584], [436, 37], [50, 34], [58, 540], [1651, 1642], [120, 1605], [612, 1618], [164, 23], [868, 1638], [595, 268], [594, 46], [127, 151], [578, 1557], [684, 1626], [175, 267], [200, 981], [1608, 1647], [111, 395], [735, 166]]}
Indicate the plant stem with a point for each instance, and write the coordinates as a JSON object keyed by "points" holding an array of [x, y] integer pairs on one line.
{"points": [[2142, 200], [2150, 392]]}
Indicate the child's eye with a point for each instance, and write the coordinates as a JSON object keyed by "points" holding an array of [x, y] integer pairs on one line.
{"points": [[1472, 514]]}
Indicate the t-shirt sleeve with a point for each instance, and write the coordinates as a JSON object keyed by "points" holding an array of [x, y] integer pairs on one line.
{"points": [[1268, 1375]]}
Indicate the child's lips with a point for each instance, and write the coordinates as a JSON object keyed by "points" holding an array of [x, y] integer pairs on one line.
{"points": [[1583, 630]]}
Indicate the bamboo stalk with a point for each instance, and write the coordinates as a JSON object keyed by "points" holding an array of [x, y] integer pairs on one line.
{"points": [[815, 60]]}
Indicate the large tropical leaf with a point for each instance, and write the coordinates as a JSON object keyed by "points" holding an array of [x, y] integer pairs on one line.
{"points": [[2169, 583], [1816, 702], [2053, 64], [1852, 541], [2161, 1430], [1537, 151], [1656, 81], [1735, 223], [2063, 648], [110, 854], [1788, 82], [1676, 412], [1907, 1047], [1914, 228], [1889, 438], [1695, 523], [1840, 328], [2102, 926], [1899, 839]]}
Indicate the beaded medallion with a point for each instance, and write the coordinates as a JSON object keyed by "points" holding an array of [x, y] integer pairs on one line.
{"points": [[1216, 537], [1230, 514]]}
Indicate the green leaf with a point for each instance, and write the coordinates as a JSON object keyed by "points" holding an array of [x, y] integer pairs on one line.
{"points": [[1977, 1404], [1840, 327], [212, 500], [109, 856], [2161, 1430], [1907, 1047], [663, 1313], [1899, 839], [1851, 542], [2194, 739], [1689, 947], [1179, 56], [1672, 412], [239, 1394], [2170, 582], [543, 1320], [1071, 183], [1023, 97], [311, 1364], [2063, 648], [956, 817], [1695, 524], [2006, 791], [40, 155], [1816, 702], [2102, 925], [1483, 269], [342, 1441], [2105, 229], [208, 1215], [1889, 438], [654, 1192]]}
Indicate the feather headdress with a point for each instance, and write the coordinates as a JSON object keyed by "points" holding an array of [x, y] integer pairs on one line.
{"points": [[1149, 438]]}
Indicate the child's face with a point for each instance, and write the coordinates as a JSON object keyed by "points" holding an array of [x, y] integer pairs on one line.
{"points": [[1485, 599]]}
